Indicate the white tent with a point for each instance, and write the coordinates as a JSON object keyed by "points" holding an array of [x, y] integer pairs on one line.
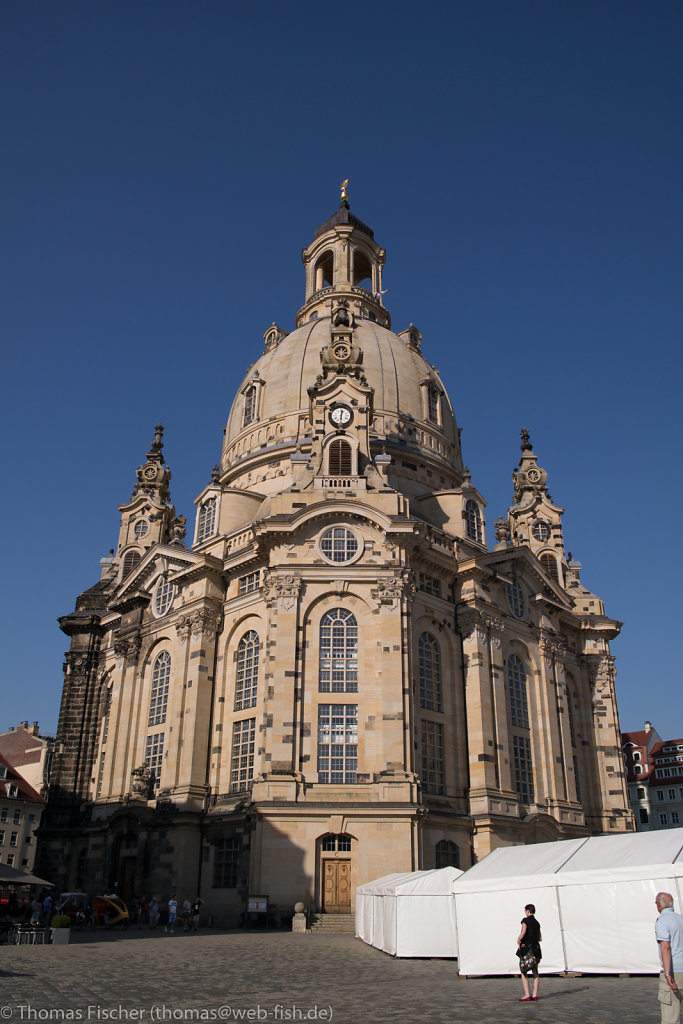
{"points": [[594, 899], [410, 914]]}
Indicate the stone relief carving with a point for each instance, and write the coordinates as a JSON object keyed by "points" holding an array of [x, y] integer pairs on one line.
{"points": [[142, 782], [603, 673], [551, 648], [284, 589], [200, 623], [477, 627], [128, 646], [390, 590]]}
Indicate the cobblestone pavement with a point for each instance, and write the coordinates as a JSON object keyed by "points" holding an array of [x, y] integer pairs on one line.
{"points": [[147, 977]]}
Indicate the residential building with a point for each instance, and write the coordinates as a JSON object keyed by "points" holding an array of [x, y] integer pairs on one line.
{"points": [[21, 808], [666, 785], [30, 753]]}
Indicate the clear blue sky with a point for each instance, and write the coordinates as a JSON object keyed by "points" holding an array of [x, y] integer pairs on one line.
{"points": [[165, 162]]}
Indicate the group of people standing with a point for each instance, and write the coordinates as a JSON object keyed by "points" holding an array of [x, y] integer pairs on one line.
{"points": [[669, 935], [156, 913]]}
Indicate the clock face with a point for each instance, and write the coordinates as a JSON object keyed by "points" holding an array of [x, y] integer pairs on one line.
{"points": [[340, 415]]}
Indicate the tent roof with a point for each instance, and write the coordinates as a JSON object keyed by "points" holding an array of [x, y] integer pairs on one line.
{"points": [[435, 882], [568, 861]]}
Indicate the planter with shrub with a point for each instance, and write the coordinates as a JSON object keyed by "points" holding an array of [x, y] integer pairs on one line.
{"points": [[61, 929]]}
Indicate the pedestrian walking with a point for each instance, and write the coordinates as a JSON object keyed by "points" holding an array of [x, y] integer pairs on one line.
{"points": [[669, 935], [529, 952]]}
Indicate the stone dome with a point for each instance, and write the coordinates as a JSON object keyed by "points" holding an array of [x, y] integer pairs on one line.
{"points": [[412, 418]]}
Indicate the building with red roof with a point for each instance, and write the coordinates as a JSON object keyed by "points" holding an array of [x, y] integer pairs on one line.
{"points": [[21, 808]]}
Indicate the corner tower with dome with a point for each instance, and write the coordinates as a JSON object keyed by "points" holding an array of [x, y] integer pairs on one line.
{"points": [[336, 678]]}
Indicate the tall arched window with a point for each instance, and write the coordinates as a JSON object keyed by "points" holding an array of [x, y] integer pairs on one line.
{"points": [[521, 738], [473, 521], [246, 676], [338, 669], [206, 522], [340, 458], [433, 403], [161, 677], [324, 271], [249, 405], [130, 560], [549, 563], [362, 271], [519, 704], [429, 662]]}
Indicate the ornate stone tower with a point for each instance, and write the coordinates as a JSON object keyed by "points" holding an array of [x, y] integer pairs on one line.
{"points": [[338, 679]]}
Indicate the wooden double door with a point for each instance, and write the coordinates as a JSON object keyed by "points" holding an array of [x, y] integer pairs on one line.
{"points": [[336, 886]]}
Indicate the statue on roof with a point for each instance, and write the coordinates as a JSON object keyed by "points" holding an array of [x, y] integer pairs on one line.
{"points": [[344, 194]]}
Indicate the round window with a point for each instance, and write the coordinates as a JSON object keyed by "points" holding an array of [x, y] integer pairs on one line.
{"points": [[515, 598], [340, 545], [541, 531], [141, 528], [163, 598]]}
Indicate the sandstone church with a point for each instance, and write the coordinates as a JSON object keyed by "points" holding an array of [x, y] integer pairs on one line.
{"points": [[337, 675]]}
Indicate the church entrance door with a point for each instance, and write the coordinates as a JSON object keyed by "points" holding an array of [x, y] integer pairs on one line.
{"points": [[337, 886]]}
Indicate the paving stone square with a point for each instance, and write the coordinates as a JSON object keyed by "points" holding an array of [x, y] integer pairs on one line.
{"points": [[271, 976]]}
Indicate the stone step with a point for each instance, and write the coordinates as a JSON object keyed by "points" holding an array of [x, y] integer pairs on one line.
{"points": [[344, 924]]}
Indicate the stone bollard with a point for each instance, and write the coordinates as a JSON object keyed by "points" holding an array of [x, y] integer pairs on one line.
{"points": [[299, 919]]}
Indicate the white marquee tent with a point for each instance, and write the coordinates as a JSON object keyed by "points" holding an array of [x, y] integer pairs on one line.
{"points": [[594, 899], [409, 914]]}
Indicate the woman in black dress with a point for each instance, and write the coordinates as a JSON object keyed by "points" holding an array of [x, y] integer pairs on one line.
{"points": [[529, 943]]}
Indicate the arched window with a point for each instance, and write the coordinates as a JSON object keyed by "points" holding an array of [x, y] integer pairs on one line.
{"points": [[206, 521], [521, 740], [549, 563], [447, 854], [246, 676], [338, 668], [324, 271], [161, 677], [473, 521], [433, 403], [130, 560], [250, 398], [429, 661], [362, 271], [340, 459], [519, 705]]}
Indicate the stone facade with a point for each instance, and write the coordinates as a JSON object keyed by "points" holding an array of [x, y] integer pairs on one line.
{"points": [[339, 678]]}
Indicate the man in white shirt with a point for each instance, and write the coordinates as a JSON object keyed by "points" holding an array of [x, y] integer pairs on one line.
{"points": [[669, 935], [172, 914]]}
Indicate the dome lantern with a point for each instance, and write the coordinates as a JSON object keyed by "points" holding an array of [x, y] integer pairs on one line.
{"points": [[344, 260]]}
